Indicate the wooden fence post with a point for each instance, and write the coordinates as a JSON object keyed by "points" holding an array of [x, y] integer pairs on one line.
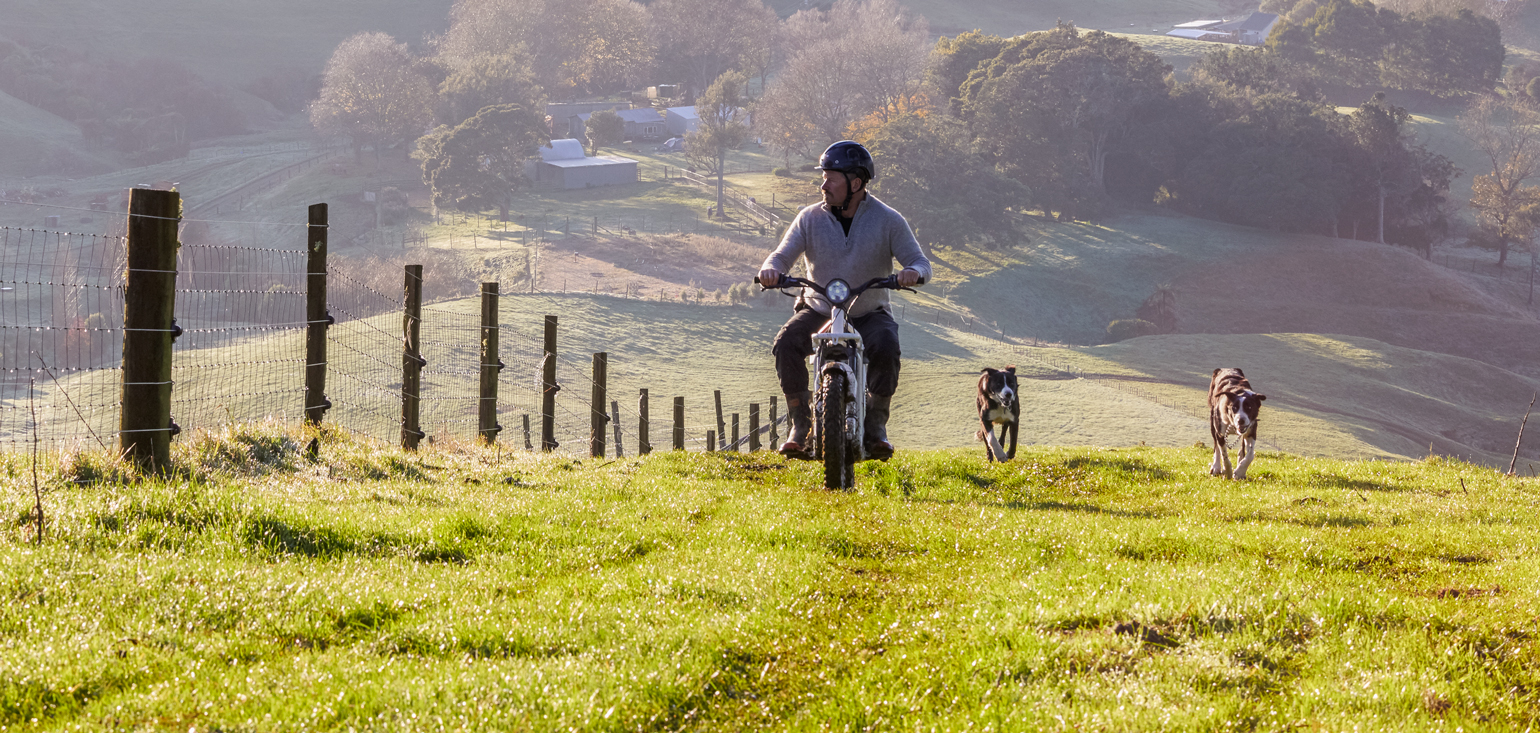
{"points": [[149, 300], [678, 423], [721, 431], [548, 388], [753, 427], [527, 445], [615, 423], [774, 436], [734, 441], [643, 427], [411, 360], [316, 317], [491, 366], [596, 416], [711, 441]]}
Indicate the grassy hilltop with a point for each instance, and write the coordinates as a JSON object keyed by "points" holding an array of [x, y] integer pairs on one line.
{"points": [[464, 589]]}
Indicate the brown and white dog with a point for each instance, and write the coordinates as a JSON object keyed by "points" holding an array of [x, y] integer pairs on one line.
{"points": [[1232, 409], [999, 404]]}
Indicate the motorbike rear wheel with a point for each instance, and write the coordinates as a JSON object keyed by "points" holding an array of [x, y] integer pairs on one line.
{"points": [[832, 441]]}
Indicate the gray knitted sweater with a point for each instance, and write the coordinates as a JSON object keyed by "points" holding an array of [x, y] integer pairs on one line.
{"points": [[878, 235]]}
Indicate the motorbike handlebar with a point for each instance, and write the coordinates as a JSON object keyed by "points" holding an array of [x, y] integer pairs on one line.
{"points": [[881, 283]]}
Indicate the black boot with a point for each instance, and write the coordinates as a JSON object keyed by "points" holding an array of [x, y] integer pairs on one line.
{"points": [[877, 445], [799, 407]]}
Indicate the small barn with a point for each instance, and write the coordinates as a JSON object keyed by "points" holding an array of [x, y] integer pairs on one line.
{"points": [[642, 123], [681, 120], [1252, 29], [563, 165]]}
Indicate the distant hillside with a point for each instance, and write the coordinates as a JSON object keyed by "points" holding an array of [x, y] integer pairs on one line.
{"points": [[232, 41], [38, 142], [1075, 278]]}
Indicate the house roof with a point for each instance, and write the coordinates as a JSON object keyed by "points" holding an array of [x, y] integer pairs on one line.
{"points": [[1257, 21], [563, 149], [594, 162], [1196, 34], [688, 113], [1198, 24], [638, 116]]}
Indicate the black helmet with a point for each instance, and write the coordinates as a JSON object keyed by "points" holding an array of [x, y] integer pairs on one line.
{"points": [[849, 157]]}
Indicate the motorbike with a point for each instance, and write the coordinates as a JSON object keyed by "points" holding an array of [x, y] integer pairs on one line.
{"points": [[839, 373]]}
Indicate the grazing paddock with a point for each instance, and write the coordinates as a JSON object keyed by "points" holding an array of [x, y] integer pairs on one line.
{"points": [[466, 589]]}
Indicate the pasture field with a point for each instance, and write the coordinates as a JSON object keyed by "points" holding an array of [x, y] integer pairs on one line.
{"points": [[461, 588]]}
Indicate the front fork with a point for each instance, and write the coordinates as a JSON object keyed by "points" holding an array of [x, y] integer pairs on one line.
{"points": [[846, 354]]}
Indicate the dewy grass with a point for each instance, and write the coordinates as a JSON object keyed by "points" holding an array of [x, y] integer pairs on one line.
{"points": [[463, 588]]}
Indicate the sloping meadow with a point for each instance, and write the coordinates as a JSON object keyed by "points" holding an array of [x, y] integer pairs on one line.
{"points": [[464, 588]]}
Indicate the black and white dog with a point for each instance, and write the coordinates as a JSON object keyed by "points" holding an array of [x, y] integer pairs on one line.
{"points": [[999, 404], [1232, 410]]}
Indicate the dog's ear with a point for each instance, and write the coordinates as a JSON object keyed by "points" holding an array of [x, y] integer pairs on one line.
{"points": [[1011, 369], [1261, 397], [1217, 371], [986, 370]]}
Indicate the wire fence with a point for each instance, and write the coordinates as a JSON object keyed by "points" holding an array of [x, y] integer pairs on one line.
{"points": [[238, 353], [61, 320]]}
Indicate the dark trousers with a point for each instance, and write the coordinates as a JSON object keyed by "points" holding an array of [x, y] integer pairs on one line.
{"points": [[794, 344]]}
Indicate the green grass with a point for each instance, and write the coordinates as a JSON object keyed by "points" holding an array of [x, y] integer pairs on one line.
{"points": [[1072, 588]]}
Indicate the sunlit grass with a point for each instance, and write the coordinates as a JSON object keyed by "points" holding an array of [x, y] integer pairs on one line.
{"points": [[461, 588]]}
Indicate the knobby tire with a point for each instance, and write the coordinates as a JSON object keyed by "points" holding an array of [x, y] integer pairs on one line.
{"points": [[831, 435]]}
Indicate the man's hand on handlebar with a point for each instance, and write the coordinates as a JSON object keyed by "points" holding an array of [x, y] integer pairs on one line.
{"points": [[908, 278], [768, 277]]}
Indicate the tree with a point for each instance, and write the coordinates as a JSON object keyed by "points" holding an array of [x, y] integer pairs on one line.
{"points": [[1278, 163], [484, 80], [371, 92], [702, 39], [1445, 55], [1508, 135], [723, 114], [949, 191], [605, 128], [1386, 162], [574, 45], [481, 160], [860, 57], [1064, 99], [953, 59]]}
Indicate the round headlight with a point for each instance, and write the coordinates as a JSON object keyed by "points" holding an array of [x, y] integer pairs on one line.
{"points": [[838, 291]]}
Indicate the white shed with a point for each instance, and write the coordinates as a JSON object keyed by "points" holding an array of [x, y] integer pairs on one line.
{"points": [[564, 165]]}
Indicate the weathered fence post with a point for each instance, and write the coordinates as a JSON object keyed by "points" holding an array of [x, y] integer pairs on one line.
{"points": [[711, 441], [734, 441], [316, 317], [678, 423], [596, 416], [491, 366], [615, 423], [527, 445], [411, 359], [774, 436], [753, 426], [548, 388], [721, 430], [643, 427], [149, 303]]}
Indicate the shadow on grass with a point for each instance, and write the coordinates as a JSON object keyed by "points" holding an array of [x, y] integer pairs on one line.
{"points": [[1125, 467], [1333, 481], [291, 537]]}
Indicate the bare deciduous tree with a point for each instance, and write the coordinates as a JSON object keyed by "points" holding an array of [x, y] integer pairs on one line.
{"points": [[1508, 134], [859, 57], [372, 92]]}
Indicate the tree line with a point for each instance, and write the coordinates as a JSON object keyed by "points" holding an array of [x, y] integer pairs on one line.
{"points": [[969, 132]]}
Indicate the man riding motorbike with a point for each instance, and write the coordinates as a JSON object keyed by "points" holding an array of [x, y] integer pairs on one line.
{"points": [[855, 237]]}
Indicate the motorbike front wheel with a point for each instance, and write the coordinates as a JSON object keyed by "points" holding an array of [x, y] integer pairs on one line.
{"points": [[832, 441]]}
